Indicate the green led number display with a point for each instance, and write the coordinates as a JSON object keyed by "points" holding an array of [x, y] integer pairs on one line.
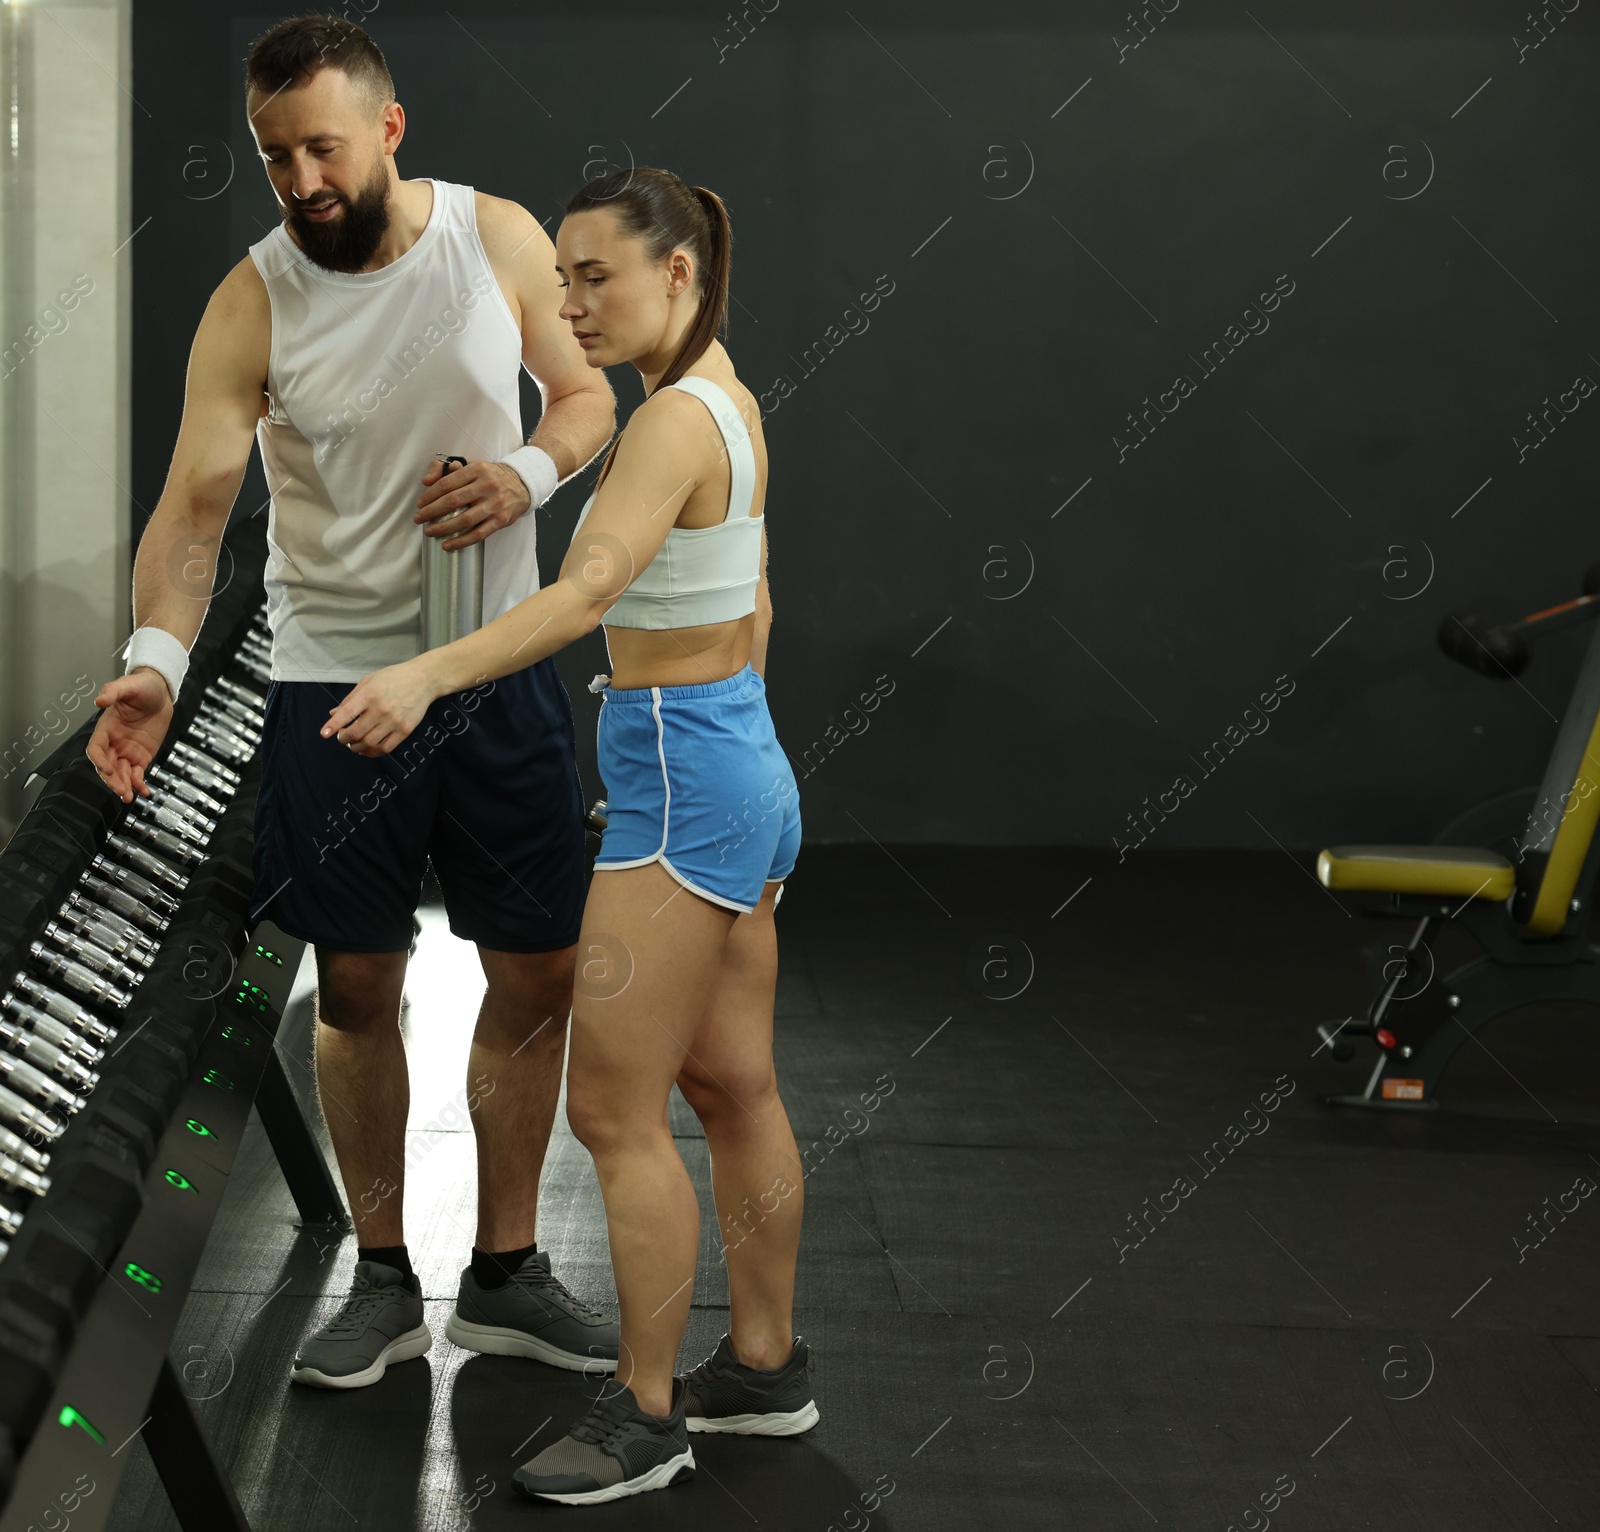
{"points": [[182, 1182], [147, 1279], [195, 1126], [252, 995], [234, 1035], [268, 954], [215, 1077]]}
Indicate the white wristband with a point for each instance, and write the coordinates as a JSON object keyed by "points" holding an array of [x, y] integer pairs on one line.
{"points": [[161, 651], [537, 469]]}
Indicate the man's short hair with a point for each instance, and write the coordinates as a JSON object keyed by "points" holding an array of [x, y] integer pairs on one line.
{"points": [[293, 51]]}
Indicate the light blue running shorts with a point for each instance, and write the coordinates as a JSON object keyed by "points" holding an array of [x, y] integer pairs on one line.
{"points": [[696, 780]]}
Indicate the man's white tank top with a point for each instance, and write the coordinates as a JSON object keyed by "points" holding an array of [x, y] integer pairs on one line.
{"points": [[371, 375]]}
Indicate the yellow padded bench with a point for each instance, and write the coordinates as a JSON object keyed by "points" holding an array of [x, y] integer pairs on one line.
{"points": [[1518, 874], [1462, 871]]}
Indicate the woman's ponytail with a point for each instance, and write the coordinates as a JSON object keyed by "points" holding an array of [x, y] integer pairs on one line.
{"points": [[657, 207]]}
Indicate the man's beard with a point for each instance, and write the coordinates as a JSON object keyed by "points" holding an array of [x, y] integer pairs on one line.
{"points": [[348, 240]]}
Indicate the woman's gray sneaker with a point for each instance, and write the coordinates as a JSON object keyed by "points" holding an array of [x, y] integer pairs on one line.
{"points": [[380, 1322], [533, 1315], [615, 1450], [725, 1395]]}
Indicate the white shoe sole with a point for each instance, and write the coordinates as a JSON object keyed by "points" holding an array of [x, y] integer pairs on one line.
{"points": [[498, 1340], [401, 1349], [659, 1477], [791, 1424]]}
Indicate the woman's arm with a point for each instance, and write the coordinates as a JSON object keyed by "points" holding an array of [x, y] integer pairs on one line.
{"points": [[652, 475], [532, 630]]}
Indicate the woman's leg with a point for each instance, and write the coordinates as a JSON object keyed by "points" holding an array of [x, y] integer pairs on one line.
{"points": [[647, 962], [756, 1175]]}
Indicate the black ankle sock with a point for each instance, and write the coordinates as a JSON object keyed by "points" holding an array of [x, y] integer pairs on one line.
{"points": [[390, 1255], [491, 1269]]}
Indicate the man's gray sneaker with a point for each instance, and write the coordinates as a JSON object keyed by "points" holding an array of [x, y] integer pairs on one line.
{"points": [[381, 1322], [533, 1315], [615, 1450], [725, 1395]]}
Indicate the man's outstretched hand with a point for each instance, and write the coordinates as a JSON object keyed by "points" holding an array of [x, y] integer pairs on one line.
{"points": [[137, 709]]}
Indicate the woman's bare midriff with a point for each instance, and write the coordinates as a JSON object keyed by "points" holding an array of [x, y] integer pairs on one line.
{"points": [[679, 656]]}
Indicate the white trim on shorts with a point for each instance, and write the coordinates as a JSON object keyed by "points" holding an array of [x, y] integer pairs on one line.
{"points": [[659, 854], [666, 787], [694, 888]]}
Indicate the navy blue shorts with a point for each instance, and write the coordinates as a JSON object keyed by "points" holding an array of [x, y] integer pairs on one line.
{"points": [[486, 786]]}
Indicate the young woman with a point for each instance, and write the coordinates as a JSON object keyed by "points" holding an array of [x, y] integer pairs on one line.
{"points": [[678, 952]]}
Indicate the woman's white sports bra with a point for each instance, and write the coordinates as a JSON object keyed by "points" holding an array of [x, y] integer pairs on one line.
{"points": [[702, 574]]}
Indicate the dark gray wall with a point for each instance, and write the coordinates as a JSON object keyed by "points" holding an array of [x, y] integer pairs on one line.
{"points": [[1070, 224]]}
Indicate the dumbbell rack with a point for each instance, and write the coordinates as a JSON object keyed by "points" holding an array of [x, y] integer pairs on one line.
{"points": [[138, 1015]]}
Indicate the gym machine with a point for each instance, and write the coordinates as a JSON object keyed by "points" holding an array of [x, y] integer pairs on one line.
{"points": [[137, 1023], [1516, 873]]}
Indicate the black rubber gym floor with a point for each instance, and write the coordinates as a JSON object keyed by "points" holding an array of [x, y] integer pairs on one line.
{"points": [[1344, 1324]]}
